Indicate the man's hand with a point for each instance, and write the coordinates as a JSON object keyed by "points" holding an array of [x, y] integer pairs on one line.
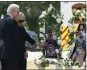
{"points": [[26, 55]]}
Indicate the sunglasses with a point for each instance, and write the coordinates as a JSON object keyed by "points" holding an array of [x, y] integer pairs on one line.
{"points": [[21, 21], [18, 12]]}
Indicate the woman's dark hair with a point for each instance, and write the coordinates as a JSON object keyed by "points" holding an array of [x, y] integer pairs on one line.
{"points": [[80, 26], [83, 19]]}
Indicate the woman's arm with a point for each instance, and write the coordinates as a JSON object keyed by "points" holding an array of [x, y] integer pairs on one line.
{"points": [[28, 38]]}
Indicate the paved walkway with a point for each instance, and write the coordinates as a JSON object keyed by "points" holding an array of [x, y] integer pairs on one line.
{"points": [[36, 55]]}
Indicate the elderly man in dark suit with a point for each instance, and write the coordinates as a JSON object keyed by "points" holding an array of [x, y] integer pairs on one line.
{"points": [[10, 36]]}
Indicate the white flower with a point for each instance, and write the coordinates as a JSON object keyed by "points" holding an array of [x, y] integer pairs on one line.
{"points": [[70, 62], [84, 11], [59, 38], [62, 16], [42, 30], [53, 15], [71, 30], [42, 40], [57, 51], [78, 11], [59, 42], [58, 20], [65, 54], [41, 35], [70, 25], [50, 8], [44, 13], [82, 14], [55, 61], [39, 23], [58, 15]]}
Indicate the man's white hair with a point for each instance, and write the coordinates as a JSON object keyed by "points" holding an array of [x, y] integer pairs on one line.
{"points": [[12, 6]]}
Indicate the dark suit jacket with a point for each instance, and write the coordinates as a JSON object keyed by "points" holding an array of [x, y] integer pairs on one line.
{"points": [[24, 37], [11, 37]]}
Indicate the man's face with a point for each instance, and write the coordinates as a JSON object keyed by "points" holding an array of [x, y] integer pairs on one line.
{"points": [[15, 13]]}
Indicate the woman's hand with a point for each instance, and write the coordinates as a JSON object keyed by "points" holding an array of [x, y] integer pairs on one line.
{"points": [[26, 55]]}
